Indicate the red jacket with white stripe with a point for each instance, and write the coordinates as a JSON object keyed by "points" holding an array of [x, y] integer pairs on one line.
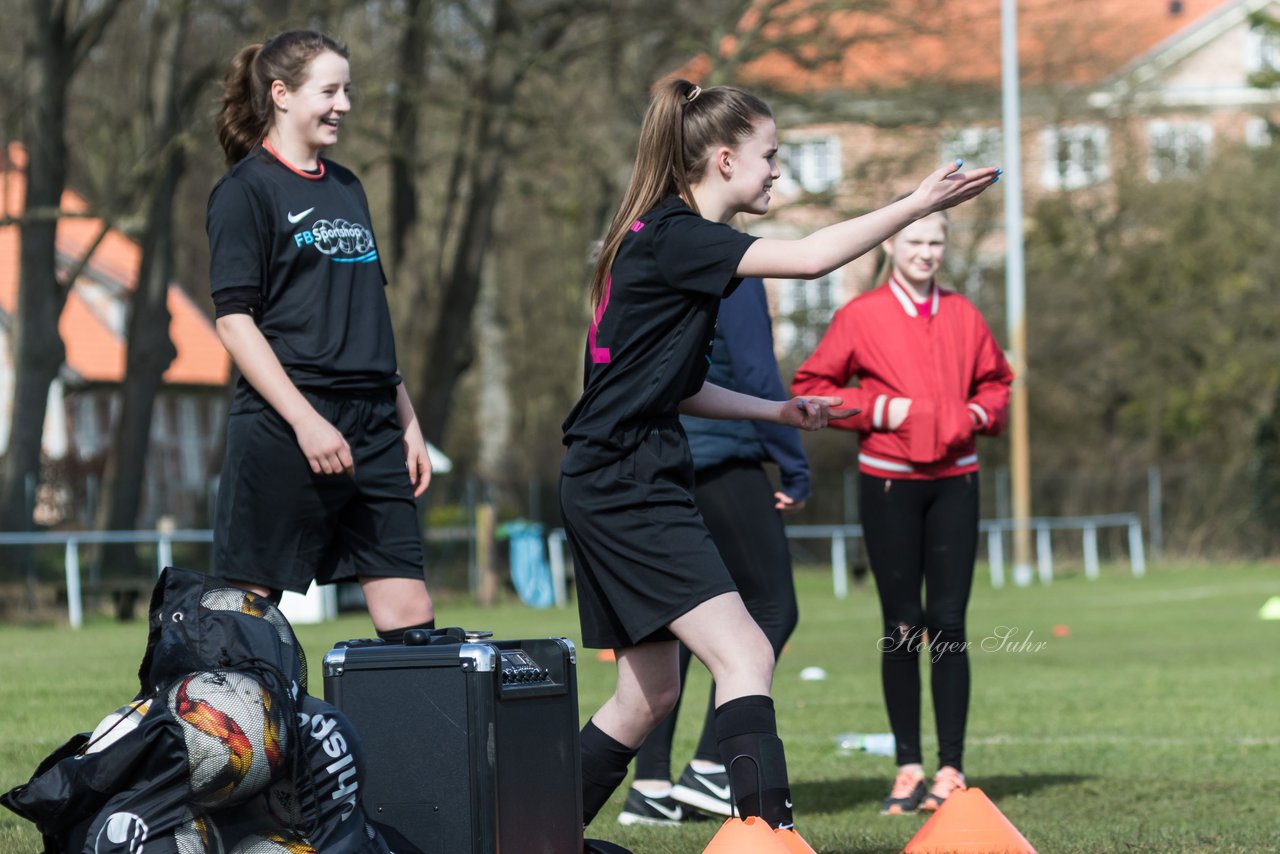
{"points": [[881, 345]]}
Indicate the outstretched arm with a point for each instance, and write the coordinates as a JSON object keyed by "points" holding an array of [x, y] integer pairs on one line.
{"points": [[836, 245], [807, 413]]}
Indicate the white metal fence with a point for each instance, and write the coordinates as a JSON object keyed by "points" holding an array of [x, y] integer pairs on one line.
{"points": [[996, 530], [71, 542]]}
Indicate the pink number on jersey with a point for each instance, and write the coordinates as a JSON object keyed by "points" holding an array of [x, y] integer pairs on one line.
{"points": [[600, 355]]}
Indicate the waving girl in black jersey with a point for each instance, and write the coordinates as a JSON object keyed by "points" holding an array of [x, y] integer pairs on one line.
{"points": [[324, 453], [647, 571]]}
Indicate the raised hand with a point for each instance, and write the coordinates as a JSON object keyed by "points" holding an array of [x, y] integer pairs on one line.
{"points": [[948, 187]]}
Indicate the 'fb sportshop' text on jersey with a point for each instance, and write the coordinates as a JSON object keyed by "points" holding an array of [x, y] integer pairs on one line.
{"points": [[305, 240]]}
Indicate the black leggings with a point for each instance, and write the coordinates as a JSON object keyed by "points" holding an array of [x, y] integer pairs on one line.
{"points": [[923, 534], [736, 501]]}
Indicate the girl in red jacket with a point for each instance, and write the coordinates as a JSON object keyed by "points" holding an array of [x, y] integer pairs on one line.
{"points": [[922, 366]]}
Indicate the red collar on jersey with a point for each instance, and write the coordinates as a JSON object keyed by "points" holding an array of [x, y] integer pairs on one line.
{"points": [[310, 176]]}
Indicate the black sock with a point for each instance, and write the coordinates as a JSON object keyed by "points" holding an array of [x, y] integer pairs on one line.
{"points": [[397, 635], [604, 767], [747, 735]]}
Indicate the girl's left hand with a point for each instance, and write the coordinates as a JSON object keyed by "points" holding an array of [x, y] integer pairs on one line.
{"points": [[416, 459], [813, 413], [786, 505]]}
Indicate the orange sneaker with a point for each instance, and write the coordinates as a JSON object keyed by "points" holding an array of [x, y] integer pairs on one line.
{"points": [[946, 781], [793, 841], [904, 798]]}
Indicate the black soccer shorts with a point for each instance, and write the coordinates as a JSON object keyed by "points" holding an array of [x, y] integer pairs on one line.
{"points": [[280, 525]]}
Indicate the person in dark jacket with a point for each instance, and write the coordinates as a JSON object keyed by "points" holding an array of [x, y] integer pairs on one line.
{"points": [[744, 513]]}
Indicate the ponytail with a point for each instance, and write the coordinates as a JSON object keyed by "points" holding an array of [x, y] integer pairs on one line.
{"points": [[242, 121], [247, 109], [683, 122]]}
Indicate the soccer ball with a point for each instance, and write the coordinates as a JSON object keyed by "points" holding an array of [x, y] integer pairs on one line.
{"points": [[230, 599], [275, 843], [235, 735], [117, 725], [198, 836]]}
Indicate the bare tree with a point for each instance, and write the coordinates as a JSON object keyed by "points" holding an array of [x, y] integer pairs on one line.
{"points": [[58, 37], [169, 101]]}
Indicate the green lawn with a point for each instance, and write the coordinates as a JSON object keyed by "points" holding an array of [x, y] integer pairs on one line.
{"points": [[1151, 727]]}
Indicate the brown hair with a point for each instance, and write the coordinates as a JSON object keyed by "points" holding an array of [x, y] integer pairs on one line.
{"points": [[247, 109], [683, 122]]}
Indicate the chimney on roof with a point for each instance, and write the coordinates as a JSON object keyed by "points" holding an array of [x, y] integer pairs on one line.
{"points": [[1175, 7]]}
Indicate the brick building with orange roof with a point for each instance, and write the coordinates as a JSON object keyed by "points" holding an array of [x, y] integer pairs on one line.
{"points": [[83, 401], [1147, 89]]}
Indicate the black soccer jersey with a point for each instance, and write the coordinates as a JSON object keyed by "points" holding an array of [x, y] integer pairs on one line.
{"points": [[649, 345], [305, 241]]}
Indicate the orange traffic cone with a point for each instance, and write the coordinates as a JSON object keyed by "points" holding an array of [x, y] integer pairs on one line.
{"points": [[968, 823], [606, 655], [753, 836], [793, 841]]}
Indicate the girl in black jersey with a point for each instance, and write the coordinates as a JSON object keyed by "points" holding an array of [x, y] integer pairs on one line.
{"points": [[324, 454], [647, 572]]}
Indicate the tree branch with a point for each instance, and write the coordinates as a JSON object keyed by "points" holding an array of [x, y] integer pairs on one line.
{"points": [[88, 32]]}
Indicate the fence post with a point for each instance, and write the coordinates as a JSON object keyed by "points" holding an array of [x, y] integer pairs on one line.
{"points": [[1044, 553], [165, 526], [1090, 551], [995, 555], [1137, 560], [839, 566], [1155, 509], [555, 554], [75, 612]]}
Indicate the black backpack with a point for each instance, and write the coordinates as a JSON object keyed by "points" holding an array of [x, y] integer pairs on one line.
{"points": [[230, 752]]}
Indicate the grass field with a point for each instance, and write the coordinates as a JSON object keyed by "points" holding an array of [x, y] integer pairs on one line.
{"points": [[1152, 727]]}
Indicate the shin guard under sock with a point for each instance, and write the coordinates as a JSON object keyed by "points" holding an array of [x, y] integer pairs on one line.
{"points": [[397, 635], [604, 767], [747, 731]]}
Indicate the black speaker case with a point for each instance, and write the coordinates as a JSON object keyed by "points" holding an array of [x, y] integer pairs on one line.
{"points": [[457, 762]]}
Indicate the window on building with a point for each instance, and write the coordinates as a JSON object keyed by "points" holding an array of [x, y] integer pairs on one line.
{"points": [[1257, 132], [804, 310], [1177, 149], [811, 164], [1074, 156], [189, 442], [975, 146], [1262, 52]]}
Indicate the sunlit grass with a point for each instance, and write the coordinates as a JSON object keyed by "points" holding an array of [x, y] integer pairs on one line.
{"points": [[1151, 726]]}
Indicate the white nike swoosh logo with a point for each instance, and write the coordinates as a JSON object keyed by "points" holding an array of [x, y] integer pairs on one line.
{"points": [[673, 813], [293, 217], [721, 792]]}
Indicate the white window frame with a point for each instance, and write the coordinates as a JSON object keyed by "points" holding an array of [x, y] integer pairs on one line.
{"points": [[811, 164], [90, 433], [1173, 148], [1075, 171], [976, 146], [804, 310], [192, 467], [1262, 51], [1257, 132]]}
